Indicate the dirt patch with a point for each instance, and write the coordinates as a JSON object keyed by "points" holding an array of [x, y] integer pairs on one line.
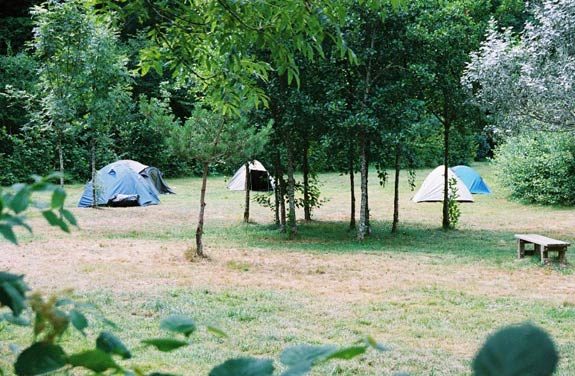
{"points": [[125, 265]]}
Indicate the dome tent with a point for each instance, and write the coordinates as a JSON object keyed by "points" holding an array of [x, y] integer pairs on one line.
{"points": [[149, 172], [432, 188], [472, 180], [260, 179], [125, 183]]}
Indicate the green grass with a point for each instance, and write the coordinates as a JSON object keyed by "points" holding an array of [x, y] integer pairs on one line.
{"points": [[432, 326], [422, 329]]}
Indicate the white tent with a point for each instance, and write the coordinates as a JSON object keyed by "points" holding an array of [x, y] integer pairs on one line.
{"points": [[260, 178], [432, 187]]}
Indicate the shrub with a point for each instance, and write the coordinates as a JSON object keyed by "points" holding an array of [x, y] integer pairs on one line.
{"points": [[539, 167]]}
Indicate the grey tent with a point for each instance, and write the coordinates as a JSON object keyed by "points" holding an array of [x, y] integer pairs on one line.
{"points": [[261, 181], [433, 186]]}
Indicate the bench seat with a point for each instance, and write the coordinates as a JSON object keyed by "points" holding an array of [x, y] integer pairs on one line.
{"points": [[542, 245]]}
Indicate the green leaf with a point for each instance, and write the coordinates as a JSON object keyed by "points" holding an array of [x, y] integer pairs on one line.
{"points": [[216, 331], [15, 320], [40, 358], [69, 217], [20, 200], [244, 367], [179, 324], [306, 354], [8, 233], [165, 344], [370, 341], [111, 344], [58, 198], [13, 292], [347, 352], [78, 320], [517, 351], [94, 360], [53, 220]]}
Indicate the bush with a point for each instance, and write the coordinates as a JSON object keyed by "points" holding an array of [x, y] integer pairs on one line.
{"points": [[23, 155], [539, 168]]}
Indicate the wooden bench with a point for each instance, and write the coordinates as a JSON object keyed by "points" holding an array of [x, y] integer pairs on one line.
{"points": [[541, 245]]}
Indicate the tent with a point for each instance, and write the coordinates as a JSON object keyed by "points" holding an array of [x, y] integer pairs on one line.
{"points": [[432, 188], [472, 180], [261, 181], [119, 184], [149, 172]]}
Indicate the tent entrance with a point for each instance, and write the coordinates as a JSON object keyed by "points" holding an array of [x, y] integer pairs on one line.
{"points": [[260, 181]]}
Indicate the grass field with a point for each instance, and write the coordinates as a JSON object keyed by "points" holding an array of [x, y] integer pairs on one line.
{"points": [[431, 296]]}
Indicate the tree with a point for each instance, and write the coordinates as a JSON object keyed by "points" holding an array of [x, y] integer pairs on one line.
{"points": [[84, 82], [61, 32], [528, 79], [210, 138], [444, 33]]}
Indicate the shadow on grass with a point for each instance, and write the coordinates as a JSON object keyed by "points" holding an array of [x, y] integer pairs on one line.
{"points": [[455, 246], [465, 245]]}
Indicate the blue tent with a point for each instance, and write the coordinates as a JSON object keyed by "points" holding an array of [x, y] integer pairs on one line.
{"points": [[119, 185], [471, 179]]}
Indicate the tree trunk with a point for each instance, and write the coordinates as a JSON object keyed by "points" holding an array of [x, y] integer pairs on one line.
{"points": [[363, 210], [364, 229], [367, 216], [280, 194], [396, 189], [351, 186], [283, 220], [446, 223], [61, 160], [306, 200], [248, 186], [200, 228], [292, 225], [93, 166], [277, 201]]}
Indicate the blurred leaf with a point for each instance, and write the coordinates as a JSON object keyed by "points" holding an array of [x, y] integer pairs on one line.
{"points": [[69, 217], [370, 341], [520, 350], [53, 220], [216, 331], [8, 233], [40, 358], [244, 367], [78, 320], [58, 198], [111, 344], [16, 320], [179, 324], [94, 360], [13, 292], [347, 352], [20, 200], [306, 354], [165, 344]]}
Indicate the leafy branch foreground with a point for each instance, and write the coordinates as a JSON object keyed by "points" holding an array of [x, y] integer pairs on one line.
{"points": [[52, 317]]}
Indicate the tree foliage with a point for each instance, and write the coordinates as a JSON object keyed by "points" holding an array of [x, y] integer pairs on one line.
{"points": [[538, 167], [526, 79]]}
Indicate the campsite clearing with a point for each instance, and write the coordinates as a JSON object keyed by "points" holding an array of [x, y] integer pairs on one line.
{"points": [[432, 296]]}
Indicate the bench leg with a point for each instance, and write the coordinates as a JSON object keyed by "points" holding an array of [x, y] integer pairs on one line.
{"points": [[544, 255], [562, 256], [520, 248]]}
